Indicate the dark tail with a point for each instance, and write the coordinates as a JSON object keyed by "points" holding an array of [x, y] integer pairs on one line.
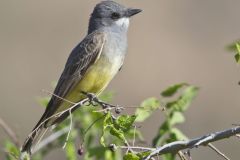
{"points": [[26, 147], [43, 123]]}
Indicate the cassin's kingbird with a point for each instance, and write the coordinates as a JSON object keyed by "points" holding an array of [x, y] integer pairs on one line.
{"points": [[92, 63]]}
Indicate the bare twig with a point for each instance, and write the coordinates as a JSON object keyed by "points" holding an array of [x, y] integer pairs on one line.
{"points": [[218, 151], [9, 132], [181, 155], [40, 139], [176, 146], [52, 94], [134, 136], [188, 153], [90, 98], [137, 148], [89, 127], [70, 128], [58, 114], [50, 139]]}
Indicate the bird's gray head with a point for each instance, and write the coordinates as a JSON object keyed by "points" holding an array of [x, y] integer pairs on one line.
{"points": [[112, 15]]}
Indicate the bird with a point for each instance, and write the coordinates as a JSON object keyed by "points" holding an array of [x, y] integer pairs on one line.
{"points": [[91, 65]]}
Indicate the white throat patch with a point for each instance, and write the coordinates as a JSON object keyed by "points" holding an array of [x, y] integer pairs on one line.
{"points": [[123, 22]]}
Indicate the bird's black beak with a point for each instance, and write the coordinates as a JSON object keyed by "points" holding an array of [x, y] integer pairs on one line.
{"points": [[130, 12]]}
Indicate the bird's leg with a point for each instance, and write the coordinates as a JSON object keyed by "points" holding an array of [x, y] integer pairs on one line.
{"points": [[93, 98]]}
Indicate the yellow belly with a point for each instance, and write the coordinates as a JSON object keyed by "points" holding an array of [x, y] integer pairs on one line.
{"points": [[95, 80]]}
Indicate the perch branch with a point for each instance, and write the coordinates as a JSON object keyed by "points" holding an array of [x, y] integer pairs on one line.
{"points": [[176, 146], [90, 98]]}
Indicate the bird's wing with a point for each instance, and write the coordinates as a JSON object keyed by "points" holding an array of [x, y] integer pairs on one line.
{"points": [[82, 57]]}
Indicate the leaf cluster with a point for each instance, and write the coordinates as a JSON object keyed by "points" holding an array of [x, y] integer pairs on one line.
{"points": [[93, 133]]}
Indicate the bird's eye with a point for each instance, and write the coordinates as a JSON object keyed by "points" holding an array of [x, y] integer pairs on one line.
{"points": [[115, 15]]}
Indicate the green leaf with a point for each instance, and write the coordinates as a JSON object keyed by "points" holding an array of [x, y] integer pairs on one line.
{"points": [[109, 155], [106, 123], [70, 150], [238, 47], [161, 135], [102, 140], [117, 133], [237, 57], [131, 156], [97, 152], [13, 151], [233, 47], [170, 91], [124, 122], [176, 118], [178, 134], [107, 120], [183, 102], [146, 108], [141, 155], [117, 127], [168, 156]]}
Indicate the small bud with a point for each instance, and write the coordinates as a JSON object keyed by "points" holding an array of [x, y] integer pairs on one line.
{"points": [[112, 147], [118, 110], [80, 151]]}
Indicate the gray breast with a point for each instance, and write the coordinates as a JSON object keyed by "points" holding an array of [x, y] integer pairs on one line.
{"points": [[115, 47]]}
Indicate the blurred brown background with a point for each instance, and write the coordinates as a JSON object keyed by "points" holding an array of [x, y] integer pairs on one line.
{"points": [[170, 42]]}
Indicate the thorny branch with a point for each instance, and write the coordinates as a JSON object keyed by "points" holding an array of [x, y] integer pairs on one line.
{"points": [[173, 147], [176, 146]]}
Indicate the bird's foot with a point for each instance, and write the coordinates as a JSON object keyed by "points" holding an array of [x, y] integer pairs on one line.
{"points": [[91, 97], [94, 100]]}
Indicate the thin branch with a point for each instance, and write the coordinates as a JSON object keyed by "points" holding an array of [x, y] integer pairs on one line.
{"points": [[218, 151], [90, 98], [137, 147], [89, 127], [70, 128], [188, 153], [40, 139], [52, 94], [134, 136], [181, 155], [9, 132], [59, 114], [50, 139], [176, 146]]}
